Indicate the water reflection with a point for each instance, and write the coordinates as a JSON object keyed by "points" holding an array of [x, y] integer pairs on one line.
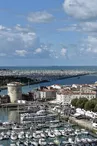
{"points": [[8, 115], [3, 115], [13, 116]]}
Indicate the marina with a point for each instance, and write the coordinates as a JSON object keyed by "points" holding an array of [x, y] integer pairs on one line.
{"points": [[43, 128], [67, 135], [37, 124]]}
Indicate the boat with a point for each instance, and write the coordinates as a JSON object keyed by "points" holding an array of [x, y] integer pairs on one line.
{"points": [[5, 137], [50, 143], [89, 140], [43, 135], [28, 135], [83, 131], [13, 136], [54, 125], [34, 143], [8, 132], [1, 137], [19, 127], [42, 142], [12, 144], [57, 132], [77, 132], [51, 134], [36, 135], [2, 133], [70, 140], [84, 140], [27, 143], [77, 140], [62, 132], [21, 135], [20, 143]]}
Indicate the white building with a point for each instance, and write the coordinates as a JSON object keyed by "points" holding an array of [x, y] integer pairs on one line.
{"points": [[67, 96], [45, 94], [14, 91], [64, 97]]}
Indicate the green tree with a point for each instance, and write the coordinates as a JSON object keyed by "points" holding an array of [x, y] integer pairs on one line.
{"points": [[90, 105], [74, 101], [95, 108], [81, 102]]}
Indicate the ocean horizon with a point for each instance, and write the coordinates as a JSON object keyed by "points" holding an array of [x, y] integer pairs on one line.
{"points": [[88, 68]]}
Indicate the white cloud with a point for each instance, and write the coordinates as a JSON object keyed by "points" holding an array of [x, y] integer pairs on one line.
{"points": [[19, 28], [2, 27], [38, 50], [88, 26], [44, 51], [63, 52], [81, 9], [12, 39], [21, 52], [90, 45], [40, 17], [22, 42]]}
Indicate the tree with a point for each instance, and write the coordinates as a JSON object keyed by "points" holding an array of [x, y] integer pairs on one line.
{"points": [[95, 108], [74, 101], [81, 102], [90, 105]]}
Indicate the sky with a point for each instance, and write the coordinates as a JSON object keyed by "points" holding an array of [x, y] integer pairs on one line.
{"points": [[48, 32]]}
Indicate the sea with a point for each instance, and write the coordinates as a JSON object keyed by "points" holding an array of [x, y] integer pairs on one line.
{"points": [[88, 79]]}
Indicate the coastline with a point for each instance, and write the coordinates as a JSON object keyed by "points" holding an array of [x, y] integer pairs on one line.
{"points": [[45, 81], [5, 86]]}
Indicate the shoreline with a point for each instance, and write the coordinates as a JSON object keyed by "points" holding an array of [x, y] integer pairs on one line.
{"points": [[5, 86], [45, 81]]}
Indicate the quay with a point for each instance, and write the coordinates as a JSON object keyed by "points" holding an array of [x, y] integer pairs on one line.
{"points": [[87, 124], [21, 105], [12, 105]]}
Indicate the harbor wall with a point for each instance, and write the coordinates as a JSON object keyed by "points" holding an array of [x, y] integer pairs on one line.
{"points": [[81, 122]]}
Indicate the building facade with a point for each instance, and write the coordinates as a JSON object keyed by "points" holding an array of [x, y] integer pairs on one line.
{"points": [[45, 94]]}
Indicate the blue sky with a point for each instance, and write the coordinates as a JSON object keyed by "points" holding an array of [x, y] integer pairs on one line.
{"points": [[48, 32]]}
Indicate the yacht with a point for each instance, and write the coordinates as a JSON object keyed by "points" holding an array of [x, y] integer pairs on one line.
{"points": [[42, 142], [19, 127], [28, 135], [21, 135], [1, 137], [13, 136], [57, 132], [51, 134]]}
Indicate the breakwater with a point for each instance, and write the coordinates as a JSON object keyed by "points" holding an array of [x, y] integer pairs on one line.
{"points": [[37, 76]]}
